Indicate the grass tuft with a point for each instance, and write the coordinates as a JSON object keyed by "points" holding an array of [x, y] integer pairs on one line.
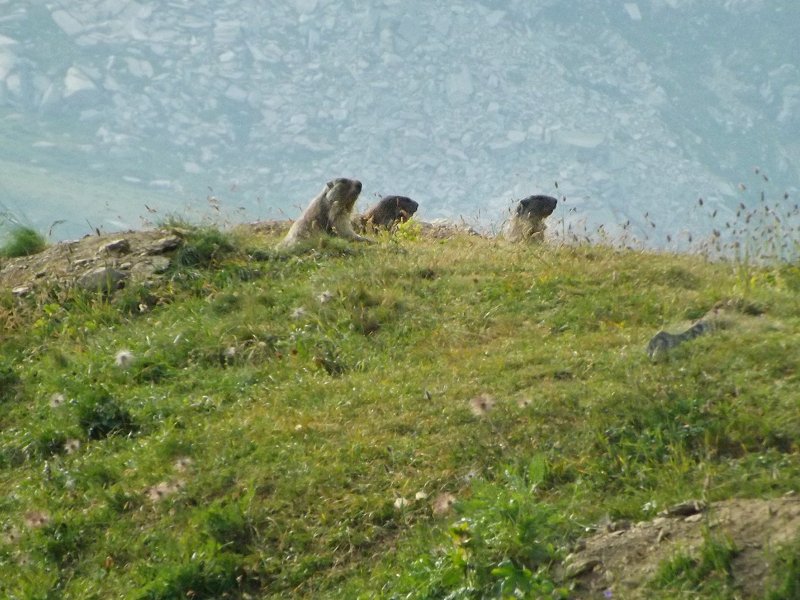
{"points": [[23, 241], [100, 415], [10, 382], [709, 572], [785, 576]]}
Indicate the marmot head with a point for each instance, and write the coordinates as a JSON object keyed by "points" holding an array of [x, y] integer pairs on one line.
{"points": [[536, 207], [343, 192], [402, 206]]}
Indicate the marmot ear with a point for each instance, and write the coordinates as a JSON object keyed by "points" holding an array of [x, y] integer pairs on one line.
{"points": [[330, 184]]}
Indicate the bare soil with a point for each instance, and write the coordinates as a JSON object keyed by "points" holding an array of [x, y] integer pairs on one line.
{"points": [[135, 255], [620, 561]]}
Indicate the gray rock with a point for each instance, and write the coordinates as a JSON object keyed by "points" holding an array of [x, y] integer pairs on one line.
{"points": [[579, 566], [101, 279], [118, 246], [164, 244], [148, 268]]}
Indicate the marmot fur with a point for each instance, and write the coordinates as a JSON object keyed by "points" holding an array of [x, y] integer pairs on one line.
{"points": [[528, 220], [389, 211], [329, 212]]}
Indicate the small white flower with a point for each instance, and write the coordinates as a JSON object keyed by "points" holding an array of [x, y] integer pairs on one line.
{"points": [[420, 495], [298, 313], [649, 506], [325, 297], [72, 445], [57, 399], [124, 359], [400, 503]]}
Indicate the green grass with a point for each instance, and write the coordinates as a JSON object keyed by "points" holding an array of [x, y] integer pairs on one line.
{"points": [[709, 573], [22, 241], [278, 406], [785, 584]]}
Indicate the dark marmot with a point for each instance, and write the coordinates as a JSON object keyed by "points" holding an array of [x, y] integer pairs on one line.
{"points": [[389, 211], [720, 316], [528, 220], [329, 212]]}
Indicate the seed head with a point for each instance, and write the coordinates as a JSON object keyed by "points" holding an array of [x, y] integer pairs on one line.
{"points": [[124, 359]]}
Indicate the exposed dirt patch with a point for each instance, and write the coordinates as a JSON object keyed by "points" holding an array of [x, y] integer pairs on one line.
{"points": [[620, 561], [93, 262]]}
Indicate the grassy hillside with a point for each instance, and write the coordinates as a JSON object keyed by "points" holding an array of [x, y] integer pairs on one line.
{"points": [[418, 418]]}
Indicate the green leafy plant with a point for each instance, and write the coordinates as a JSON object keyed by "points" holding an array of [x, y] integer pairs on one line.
{"points": [[100, 415], [502, 545]]}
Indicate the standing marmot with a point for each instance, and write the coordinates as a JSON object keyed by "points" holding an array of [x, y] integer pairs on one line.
{"points": [[528, 220], [389, 211], [329, 212]]}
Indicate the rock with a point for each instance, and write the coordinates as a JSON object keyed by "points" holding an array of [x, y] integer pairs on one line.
{"points": [[20, 291], [165, 244], [118, 246], [101, 279], [580, 566], [694, 518], [147, 268], [160, 264], [94, 263]]}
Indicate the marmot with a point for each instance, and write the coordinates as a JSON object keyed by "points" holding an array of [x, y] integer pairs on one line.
{"points": [[528, 220], [389, 211], [719, 317], [663, 342], [329, 212]]}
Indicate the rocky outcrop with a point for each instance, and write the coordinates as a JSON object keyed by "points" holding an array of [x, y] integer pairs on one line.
{"points": [[93, 263]]}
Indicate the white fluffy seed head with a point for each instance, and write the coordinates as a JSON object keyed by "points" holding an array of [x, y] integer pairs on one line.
{"points": [[124, 359]]}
